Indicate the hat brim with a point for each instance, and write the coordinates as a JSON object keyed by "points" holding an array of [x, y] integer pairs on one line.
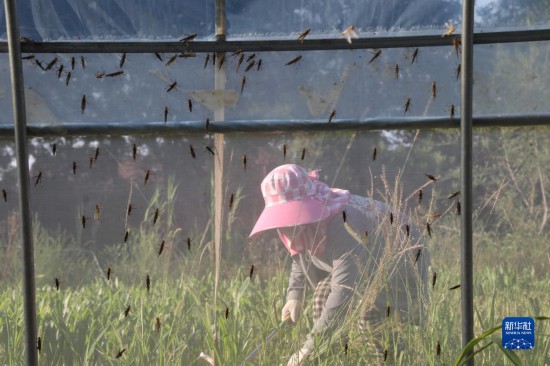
{"points": [[299, 212]]}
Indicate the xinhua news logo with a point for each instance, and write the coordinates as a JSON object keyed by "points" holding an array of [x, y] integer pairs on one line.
{"points": [[518, 333]]}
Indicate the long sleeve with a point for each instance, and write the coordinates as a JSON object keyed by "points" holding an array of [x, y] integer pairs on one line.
{"points": [[296, 281], [344, 278]]}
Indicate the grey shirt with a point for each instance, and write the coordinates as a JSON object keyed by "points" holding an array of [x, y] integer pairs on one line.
{"points": [[371, 239]]}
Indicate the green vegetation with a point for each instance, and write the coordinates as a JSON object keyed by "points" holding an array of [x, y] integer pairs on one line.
{"points": [[84, 322]]}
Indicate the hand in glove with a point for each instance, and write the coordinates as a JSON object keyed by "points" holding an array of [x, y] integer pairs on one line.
{"points": [[292, 310], [299, 356]]}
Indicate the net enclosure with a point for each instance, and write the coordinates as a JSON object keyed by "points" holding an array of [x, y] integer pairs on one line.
{"points": [[136, 136]]}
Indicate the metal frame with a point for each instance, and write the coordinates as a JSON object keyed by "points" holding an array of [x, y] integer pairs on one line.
{"points": [[221, 45], [20, 128], [271, 126], [269, 45], [466, 176]]}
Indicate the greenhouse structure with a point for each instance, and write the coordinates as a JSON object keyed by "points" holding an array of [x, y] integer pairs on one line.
{"points": [[391, 159]]}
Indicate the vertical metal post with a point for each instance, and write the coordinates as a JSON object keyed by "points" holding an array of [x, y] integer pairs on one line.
{"points": [[466, 113], [18, 97], [219, 115]]}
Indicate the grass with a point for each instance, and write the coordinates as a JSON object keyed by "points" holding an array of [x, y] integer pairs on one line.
{"points": [[84, 322], [86, 325]]}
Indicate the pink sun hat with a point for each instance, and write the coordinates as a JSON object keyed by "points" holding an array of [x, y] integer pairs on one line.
{"points": [[295, 197]]}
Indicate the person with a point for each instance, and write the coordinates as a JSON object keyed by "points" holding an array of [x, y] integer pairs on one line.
{"points": [[345, 247]]}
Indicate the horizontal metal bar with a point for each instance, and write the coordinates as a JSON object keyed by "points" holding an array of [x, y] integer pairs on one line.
{"points": [[405, 39], [270, 126]]}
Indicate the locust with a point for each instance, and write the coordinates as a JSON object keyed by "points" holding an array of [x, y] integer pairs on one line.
{"points": [[83, 104], [303, 35], [331, 116], [51, 64], [350, 33], [155, 216], [414, 56], [171, 86], [122, 60], [38, 178], [189, 38], [250, 66], [120, 353], [417, 255], [453, 195], [243, 83], [241, 59], [294, 60], [171, 60], [161, 248], [407, 105], [146, 178], [157, 325], [376, 54], [114, 74], [60, 71]]}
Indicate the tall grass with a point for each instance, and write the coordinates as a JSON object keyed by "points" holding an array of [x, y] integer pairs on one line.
{"points": [[84, 322]]}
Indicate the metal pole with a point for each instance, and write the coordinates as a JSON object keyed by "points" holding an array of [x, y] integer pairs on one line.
{"points": [[466, 113], [335, 42], [18, 96], [186, 128], [219, 116]]}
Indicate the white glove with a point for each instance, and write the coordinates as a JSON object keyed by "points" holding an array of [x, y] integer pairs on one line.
{"points": [[299, 356], [292, 310]]}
